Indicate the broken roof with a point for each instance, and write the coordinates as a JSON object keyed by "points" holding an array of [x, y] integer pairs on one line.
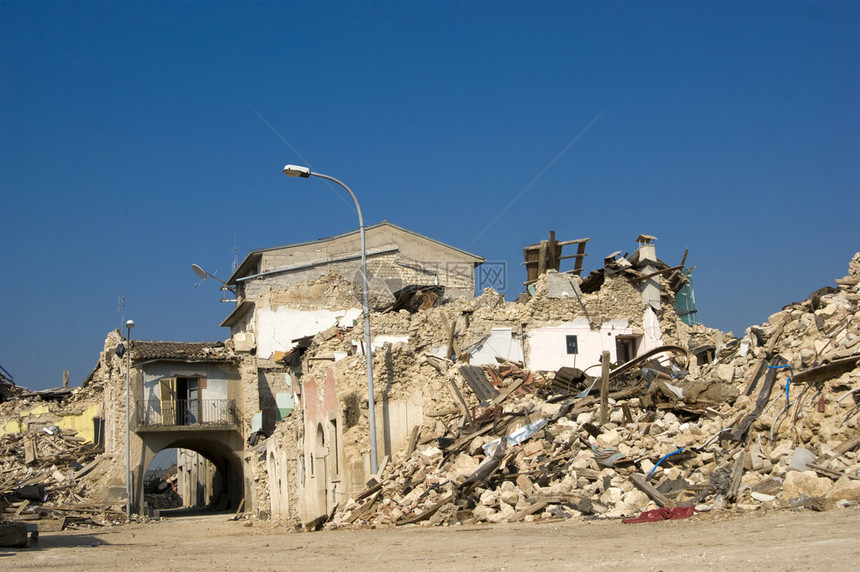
{"points": [[250, 261], [182, 351]]}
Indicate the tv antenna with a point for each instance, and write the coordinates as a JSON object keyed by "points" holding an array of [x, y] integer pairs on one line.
{"points": [[120, 303]]}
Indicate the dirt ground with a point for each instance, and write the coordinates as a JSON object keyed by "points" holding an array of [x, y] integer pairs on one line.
{"points": [[758, 541]]}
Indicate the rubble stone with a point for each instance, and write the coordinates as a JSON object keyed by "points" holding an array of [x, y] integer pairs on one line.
{"points": [[799, 484], [845, 489]]}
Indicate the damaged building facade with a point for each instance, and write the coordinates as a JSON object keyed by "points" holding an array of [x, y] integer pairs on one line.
{"points": [[183, 395], [319, 456], [590, 395], [214, 400]]}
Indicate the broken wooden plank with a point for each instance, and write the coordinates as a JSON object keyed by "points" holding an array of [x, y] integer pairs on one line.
{"points": [[555, 499], [840, 449], [771, 343], [30, 453], [531, 509], [510, 389], [413, 440], [737, 474], [369, 491], [427, 513], [86, 469], [826, 371], [829, 473], [452, 345], [476, 379], [20, 509], [604, 388], [464, 407], [762, 400], [364, 509], [640, 483]]}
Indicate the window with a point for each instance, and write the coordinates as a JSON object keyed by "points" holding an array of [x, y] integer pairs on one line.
{"points": [[572, 345]]}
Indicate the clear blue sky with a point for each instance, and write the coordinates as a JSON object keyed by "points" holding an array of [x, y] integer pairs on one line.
{"points": [[137, 137]]}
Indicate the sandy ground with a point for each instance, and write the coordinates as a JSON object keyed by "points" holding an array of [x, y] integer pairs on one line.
{"points": [[758, 541]]}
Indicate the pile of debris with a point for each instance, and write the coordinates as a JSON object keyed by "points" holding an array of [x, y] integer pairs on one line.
{"points": [[42, 477], [159, 489], [769, 420]]}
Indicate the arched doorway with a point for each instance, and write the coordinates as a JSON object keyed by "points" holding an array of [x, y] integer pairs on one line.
{"points": [[209, 473], [320, 469]]}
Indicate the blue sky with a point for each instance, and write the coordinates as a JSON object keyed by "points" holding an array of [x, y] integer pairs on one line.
{"points": [[137, 138]]}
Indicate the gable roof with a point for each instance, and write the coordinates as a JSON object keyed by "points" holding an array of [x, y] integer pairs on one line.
{"points": [[178, 351], [250, 261]]}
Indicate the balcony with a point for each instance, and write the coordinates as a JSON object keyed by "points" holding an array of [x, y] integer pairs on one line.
{"points": [[187, 414]]}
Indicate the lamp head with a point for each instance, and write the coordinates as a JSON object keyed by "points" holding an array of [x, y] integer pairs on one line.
{"points": [[199, 271], [297, 171], [129, 324]]}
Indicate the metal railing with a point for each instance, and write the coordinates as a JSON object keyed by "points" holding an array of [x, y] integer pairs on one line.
{"points": [[186, 412]]}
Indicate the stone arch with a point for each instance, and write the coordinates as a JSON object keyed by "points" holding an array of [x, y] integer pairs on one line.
{"points": [[231, 485]]}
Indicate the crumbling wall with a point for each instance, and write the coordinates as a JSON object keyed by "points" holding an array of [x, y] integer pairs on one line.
{"points": [[696, 410], [710, 445], [411, 390]]}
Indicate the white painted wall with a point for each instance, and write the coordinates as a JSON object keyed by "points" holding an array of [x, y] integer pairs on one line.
{"points": [[547, 347], [215, 389], [500, 343], [653, 337], [277, 328]]}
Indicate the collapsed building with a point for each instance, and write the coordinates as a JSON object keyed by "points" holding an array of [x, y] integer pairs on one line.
{"points": [[213, 398], [768, 420], [589, 395], [427, 368]]}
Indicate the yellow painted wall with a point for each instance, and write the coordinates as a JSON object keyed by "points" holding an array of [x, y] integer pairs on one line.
{"points": [[81, 422]]}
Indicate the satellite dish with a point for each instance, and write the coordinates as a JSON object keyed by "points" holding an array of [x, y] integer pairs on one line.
{"points": [[199, 271]]}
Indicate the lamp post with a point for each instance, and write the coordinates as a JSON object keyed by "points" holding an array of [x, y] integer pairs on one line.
{"points": [[304, 172], [203, 275], [128, 326]]}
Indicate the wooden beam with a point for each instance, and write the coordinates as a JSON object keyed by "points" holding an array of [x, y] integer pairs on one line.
{"points": [[640, 483], [604, 388], [427, 513], [531, 509], [542, 256], [737, 473], [551, 252], [413, 440], [463, 406], [580, 252], [559, 243], [653, 274], [511, 388], [845, 447]]}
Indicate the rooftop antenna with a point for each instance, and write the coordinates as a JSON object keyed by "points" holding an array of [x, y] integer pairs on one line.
{"points": [[235, 250], [121, 306]]}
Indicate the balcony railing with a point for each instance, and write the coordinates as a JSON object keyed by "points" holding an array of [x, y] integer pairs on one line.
{"points": [[186, 412]]}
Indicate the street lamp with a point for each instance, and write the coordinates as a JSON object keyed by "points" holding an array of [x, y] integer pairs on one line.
{"points": [[128, 326], [304, 172], [203, 275]]}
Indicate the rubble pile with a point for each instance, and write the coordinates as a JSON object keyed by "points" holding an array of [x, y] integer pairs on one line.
{"points": [[50, 474], [46, 475], [159, 489], [768, 420]]}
